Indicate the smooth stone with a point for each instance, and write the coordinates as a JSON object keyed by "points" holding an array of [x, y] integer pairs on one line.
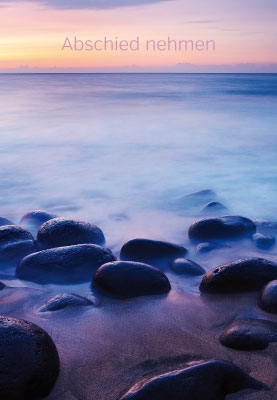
{"points": [[195, 199], [268, 297], [126, 279], [69, 264], [209, 380], [15, 243], [59, 232], [186, 267], [2, 286], [29, 360], [205, 247], [34, 219], [264, 242], [266, 227], [64, 300], [249, 334], [213, 208], [225, 227], [151, 251], [5, 221], [242, 274]]}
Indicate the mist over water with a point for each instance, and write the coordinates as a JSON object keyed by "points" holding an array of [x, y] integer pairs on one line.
{"points": [[115, 149]]}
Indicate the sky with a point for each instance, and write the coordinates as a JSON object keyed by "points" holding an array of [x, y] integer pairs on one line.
{"points": [[138, 36]]}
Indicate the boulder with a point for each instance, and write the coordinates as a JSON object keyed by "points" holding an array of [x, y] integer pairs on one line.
{"points": [[15, 243], [29, 360], [225, 227], [34, 219], [249, 334], [59, 232], [264, 242], [268, 298], [151, 251], [239, 275], [69, 264], [64, 300], [126, 279], [186, 267], [210, 380]]}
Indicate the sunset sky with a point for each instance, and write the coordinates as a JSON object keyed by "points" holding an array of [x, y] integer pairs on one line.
{"points": [[32, 35]]}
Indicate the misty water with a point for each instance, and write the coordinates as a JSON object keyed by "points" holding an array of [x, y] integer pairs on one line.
{"points": [[115, 149]]}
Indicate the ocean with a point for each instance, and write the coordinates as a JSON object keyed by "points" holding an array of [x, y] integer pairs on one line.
{"points": [[115, 149]]}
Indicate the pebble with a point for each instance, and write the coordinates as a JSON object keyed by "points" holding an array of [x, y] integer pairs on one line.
{"points": [[249, 334], [242, 274], [225, 227], [268, 297], [205, 247], [209, 380], [186, 267], [29, 360], [151, 251], [59, 232], [34, 219], [126, 279], [15, 243], [264, 242], [5, 221], [64, 300], [214, 208], [69, 264]]}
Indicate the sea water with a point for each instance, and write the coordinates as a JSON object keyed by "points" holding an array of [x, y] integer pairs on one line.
{"points": [[115, 149]]}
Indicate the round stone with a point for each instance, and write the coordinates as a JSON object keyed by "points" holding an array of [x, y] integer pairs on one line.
{"points": [[34, 219], [213, 208], [29, 360], [186, 267], [64, 300], [268, 297], [125, 279], [59, 232], [69, 264], [5, 221], [225, 227], [264, 242]]}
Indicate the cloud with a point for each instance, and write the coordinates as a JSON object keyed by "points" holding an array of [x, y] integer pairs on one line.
{"points": [[83, 4]]}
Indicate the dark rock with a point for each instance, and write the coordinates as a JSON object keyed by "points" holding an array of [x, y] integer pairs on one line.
{"points": [[64, 300], [264, 242], [151, 251], [226, 227], [268, 297], [5, 221], [243, 274], [205, 247], [195, 199], [213, 208], [185, 266], [249, 334], [210, 380], [70, 264], [125, 279], [59, 232], [266, 227], [29, 360], [34, 219], [2, 286], [15, 243]]}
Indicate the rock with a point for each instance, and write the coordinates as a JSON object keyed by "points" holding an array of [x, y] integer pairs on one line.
{"points": [[15, 243], [34, 219], [249, 334], [187, 267], [59, 232], [264, 242], [125, 279], [65, 300], [69, 264], [268, 297], [5, 221], [242, 274], [195, 199], [151, 251], [214, 208], [210, 380], [2, 286], [266, 227], [226, 227], [29, 360], [205, 247]]}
